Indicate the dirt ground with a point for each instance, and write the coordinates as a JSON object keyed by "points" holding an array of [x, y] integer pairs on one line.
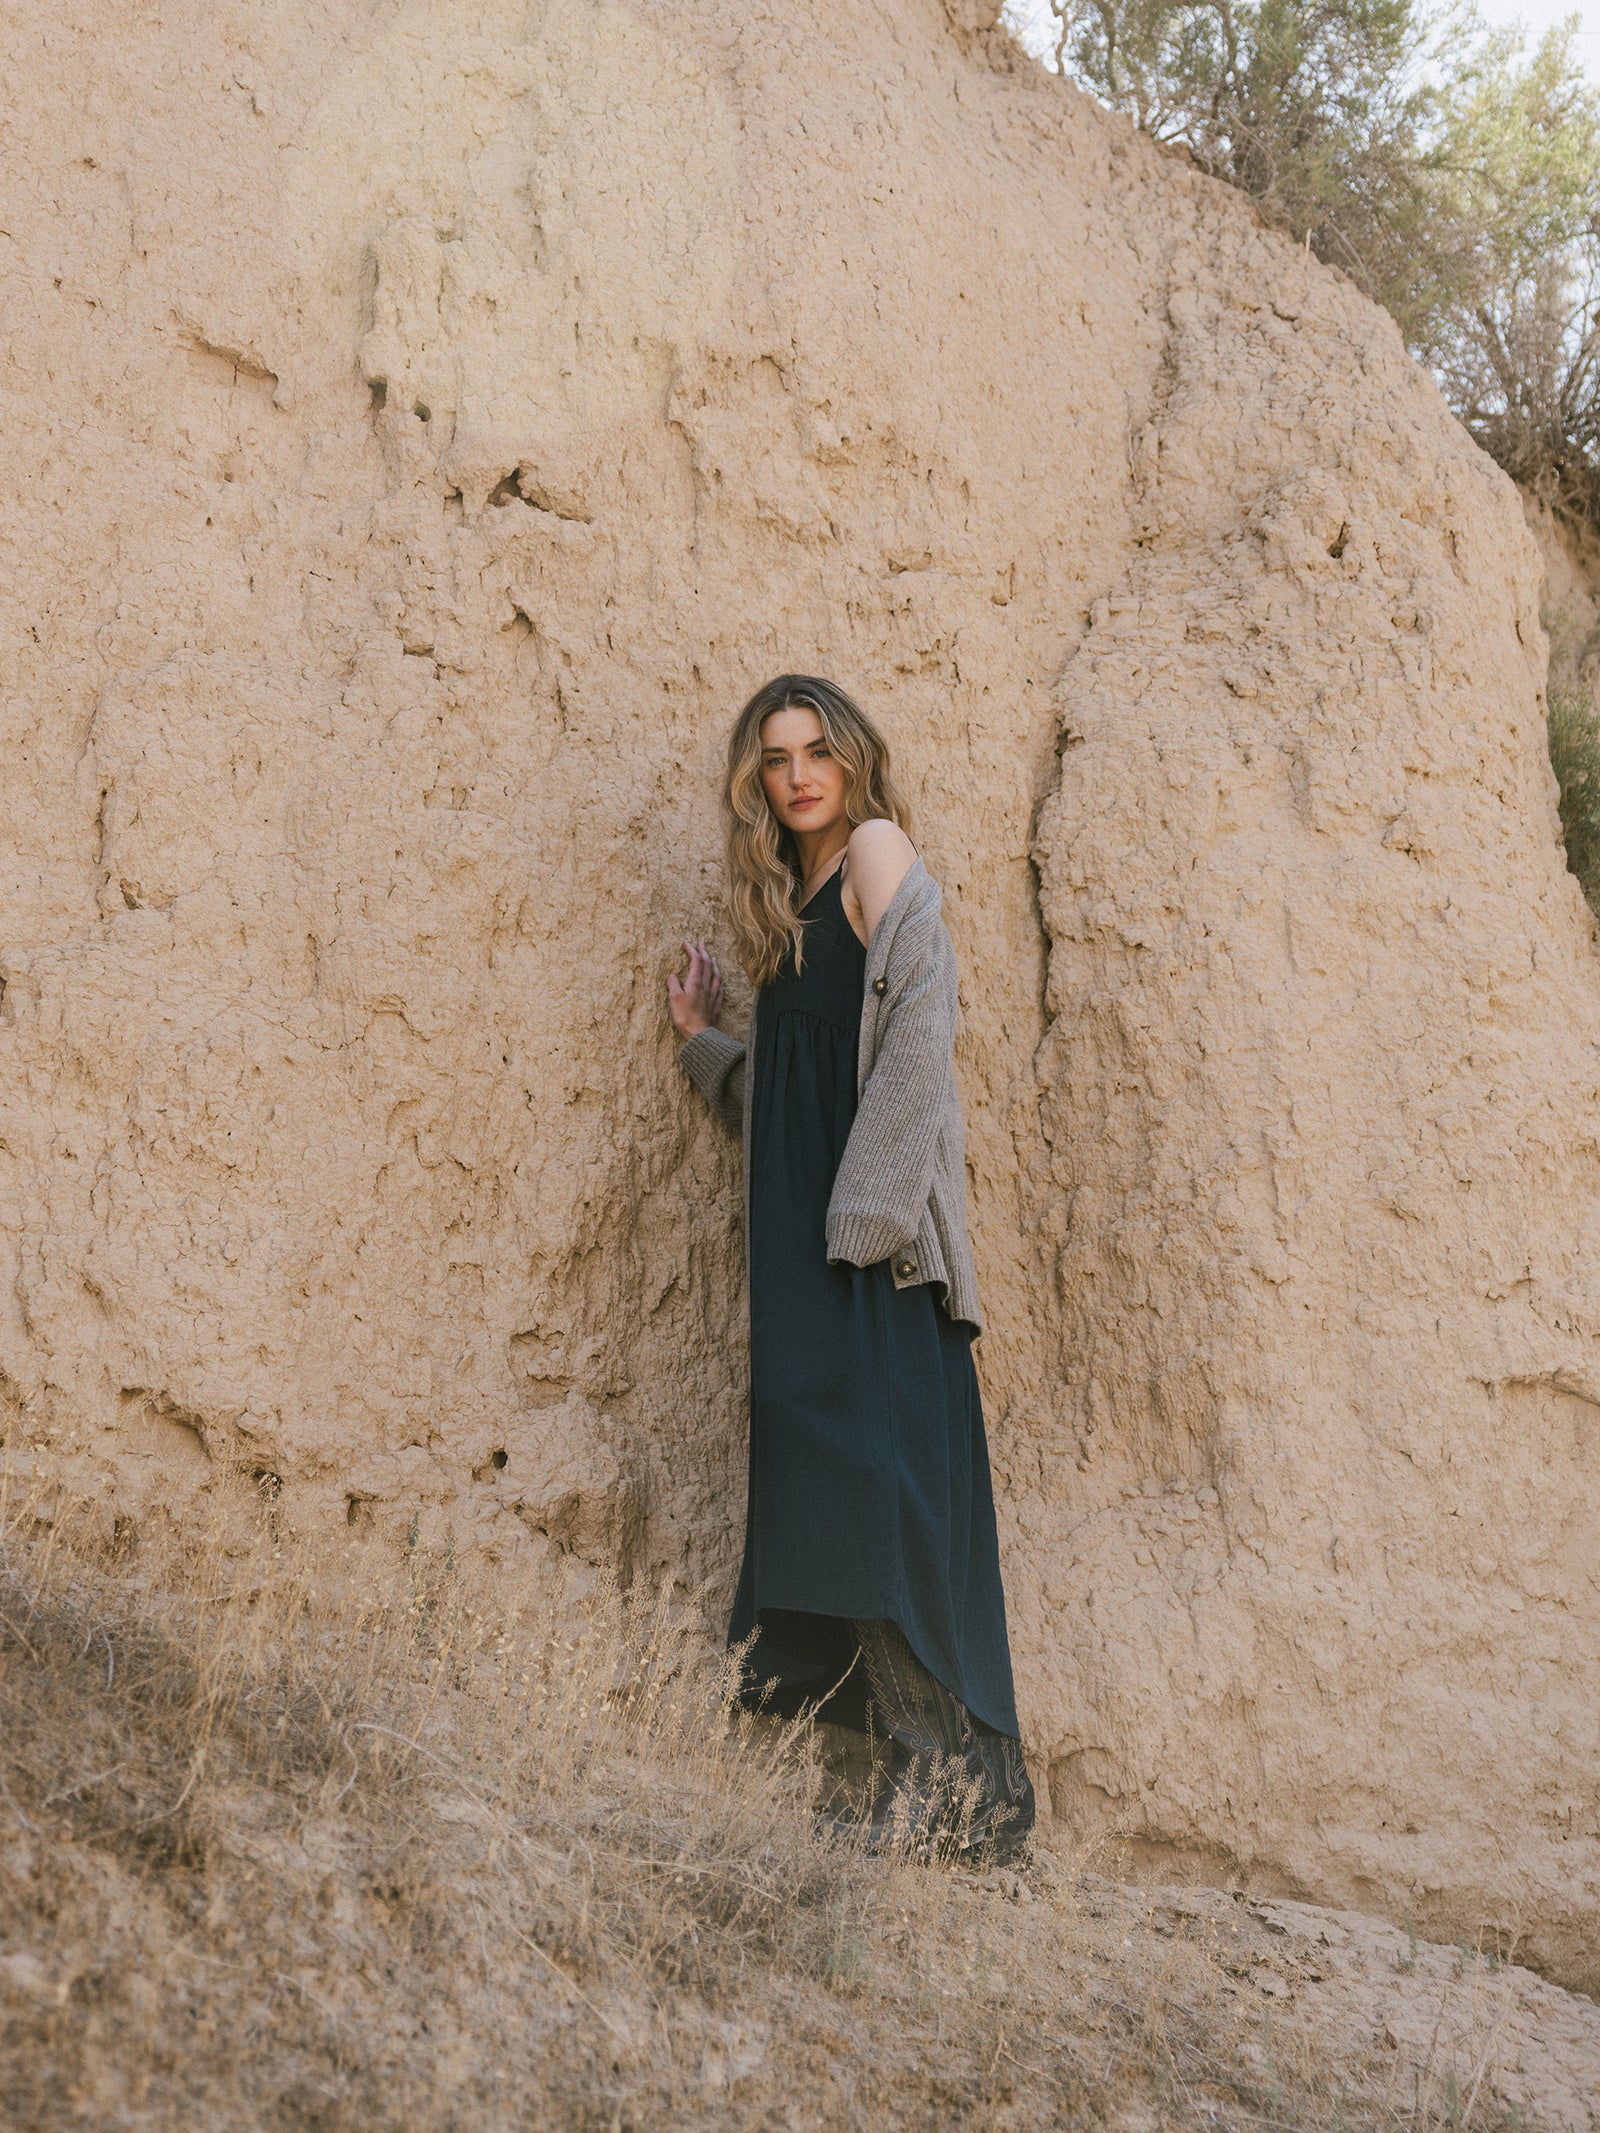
{"points": [[281, 1853]]}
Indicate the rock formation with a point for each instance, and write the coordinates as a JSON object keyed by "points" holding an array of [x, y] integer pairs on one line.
{"points": [[424, 426], [1570, 608]]}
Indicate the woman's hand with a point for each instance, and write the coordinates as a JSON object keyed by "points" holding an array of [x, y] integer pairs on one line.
{"points": [[695, 1000]]}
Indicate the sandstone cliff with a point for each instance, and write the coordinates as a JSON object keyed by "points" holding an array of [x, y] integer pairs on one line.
{"points": [[424, 425], [1570, 603]]}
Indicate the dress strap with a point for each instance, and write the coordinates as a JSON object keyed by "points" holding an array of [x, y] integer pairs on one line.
{"points": [[833, 879]]}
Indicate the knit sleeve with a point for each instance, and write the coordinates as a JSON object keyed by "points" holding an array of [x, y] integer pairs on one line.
{"points": [[714, 1062], [881, 1191]]}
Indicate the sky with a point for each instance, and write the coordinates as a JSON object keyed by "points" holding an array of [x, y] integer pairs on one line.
{"points": [[1536, 16]]}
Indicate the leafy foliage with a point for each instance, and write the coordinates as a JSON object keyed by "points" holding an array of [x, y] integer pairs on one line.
{"points": [[1575, 758], [1453, 177], [1515, 340]]}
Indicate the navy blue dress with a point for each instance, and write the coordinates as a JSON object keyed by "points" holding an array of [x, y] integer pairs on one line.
{"points": [[870, 1496]]}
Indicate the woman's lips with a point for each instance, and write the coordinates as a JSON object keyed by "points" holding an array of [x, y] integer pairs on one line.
{"points": [[796, 805]]}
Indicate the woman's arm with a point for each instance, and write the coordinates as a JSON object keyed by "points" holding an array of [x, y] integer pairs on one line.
{"points": [[878, 859], [713, 1061]]}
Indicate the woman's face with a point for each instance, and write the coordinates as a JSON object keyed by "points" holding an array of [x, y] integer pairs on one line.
{"points": [[803, 781]]}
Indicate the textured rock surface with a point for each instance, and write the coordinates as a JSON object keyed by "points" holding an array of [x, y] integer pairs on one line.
{"points": [[423, 426], [1486, 2029], [1570, 603]]}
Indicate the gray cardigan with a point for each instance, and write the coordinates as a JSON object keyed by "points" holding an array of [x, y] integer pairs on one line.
{"points": [[901, 1189]]}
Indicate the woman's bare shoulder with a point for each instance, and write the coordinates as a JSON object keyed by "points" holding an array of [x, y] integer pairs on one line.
{"points": [[881, 848], [881, 856]]}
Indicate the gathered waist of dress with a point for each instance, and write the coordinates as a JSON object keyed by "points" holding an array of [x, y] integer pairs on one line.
{"points": [[776, 1014]]}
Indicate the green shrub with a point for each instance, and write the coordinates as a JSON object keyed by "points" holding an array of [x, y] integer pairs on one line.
{"points": [[1575, 758]]}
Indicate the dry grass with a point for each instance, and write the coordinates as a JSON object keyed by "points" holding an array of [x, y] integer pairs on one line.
{"points": [[285, 1848]]}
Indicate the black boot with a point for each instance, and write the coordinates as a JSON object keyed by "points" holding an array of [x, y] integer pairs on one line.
{"points": [[1003, 1821], [953, 1787]]}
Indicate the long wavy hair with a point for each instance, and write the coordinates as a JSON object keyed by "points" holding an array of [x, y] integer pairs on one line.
{"points": [[764, 871]]}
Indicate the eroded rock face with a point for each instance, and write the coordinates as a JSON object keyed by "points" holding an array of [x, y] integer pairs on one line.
{"points": [[1570, 606], [422, 434]]}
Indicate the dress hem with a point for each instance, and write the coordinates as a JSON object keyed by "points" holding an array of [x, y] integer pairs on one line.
{"points": [[806, 1692]]}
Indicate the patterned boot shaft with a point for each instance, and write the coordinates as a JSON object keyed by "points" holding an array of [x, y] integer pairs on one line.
{"points": [[953, 1785], [1002, 1824]]}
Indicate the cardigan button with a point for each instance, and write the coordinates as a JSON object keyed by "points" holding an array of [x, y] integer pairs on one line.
{"points": [[905, 1268], [880, 986]]}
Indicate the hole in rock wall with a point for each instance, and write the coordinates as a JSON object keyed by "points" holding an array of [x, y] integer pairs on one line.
{"points": [[379, 389], [1340, 541], [358, 1513], [523, 486]]}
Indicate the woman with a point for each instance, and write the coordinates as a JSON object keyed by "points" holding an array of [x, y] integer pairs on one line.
{"points": [[871, 1580]]}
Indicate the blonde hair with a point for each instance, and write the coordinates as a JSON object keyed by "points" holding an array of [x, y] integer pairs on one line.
{"points": [[764, 872]]}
